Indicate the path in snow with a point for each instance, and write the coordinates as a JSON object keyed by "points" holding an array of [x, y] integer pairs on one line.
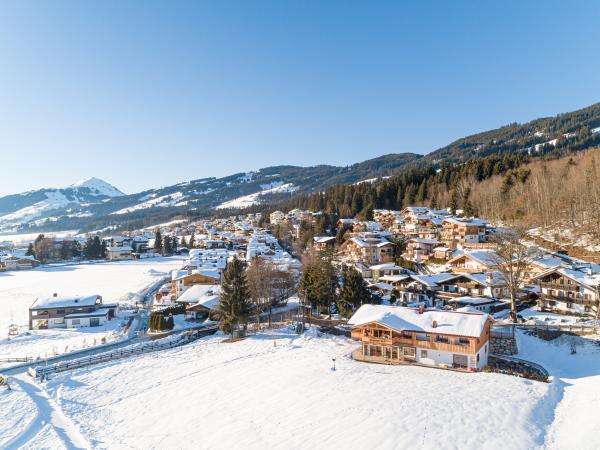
{"points": [[48, 414]]}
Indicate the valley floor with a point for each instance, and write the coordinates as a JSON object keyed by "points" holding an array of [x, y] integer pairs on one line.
{"points": [[114, 281], [278, 390]]}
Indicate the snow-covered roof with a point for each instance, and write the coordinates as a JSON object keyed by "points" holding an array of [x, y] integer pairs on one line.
{"points": [[387, 266], [472, 300], [473, 222], [483, 258], [211, 273], [65, 302], [199, 293], [124, 248], [410, 319]]}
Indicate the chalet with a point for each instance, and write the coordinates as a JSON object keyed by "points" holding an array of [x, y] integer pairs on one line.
{"points": [[324, 242], [386, 217], [12, 262], [182, 280], [368, 250], [422, 225], [421, 289], [458, 232], [388, 269], [413, 210], [490, 284], [420, 249], [442, 252], [475, 262], [486, 305], [119, 253], [395, 335], [69, 312], [570, 290], [201, 301]]}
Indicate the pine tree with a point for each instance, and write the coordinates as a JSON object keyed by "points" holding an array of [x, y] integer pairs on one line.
{"points": [[88, 248], [192, 242], [354, 291], [104, 250], [158, 241], [183, 242], [454, 202], [167, 248], [30, 251], [97, 248], [234, 308]]}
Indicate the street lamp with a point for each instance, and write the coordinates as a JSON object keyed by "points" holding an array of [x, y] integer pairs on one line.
{"points": [[333, 368]]}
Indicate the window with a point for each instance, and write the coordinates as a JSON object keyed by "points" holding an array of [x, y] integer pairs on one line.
{"points": [[477, 357], [76, 321], [423, 353], [586, 308], [422, 337], [569, 305], [406, 334], [60, 312], [443, 339], [462, 341]]}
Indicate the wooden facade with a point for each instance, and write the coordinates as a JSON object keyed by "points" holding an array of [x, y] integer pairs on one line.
{"points": [[381, 343]]}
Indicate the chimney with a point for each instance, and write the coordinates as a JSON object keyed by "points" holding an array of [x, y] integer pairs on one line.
{"points": [[421, 309], [589, 271], [490, 277], [434, 324]]}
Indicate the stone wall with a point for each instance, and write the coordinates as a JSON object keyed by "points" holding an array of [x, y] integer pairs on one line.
{"points": [[503, 345]]}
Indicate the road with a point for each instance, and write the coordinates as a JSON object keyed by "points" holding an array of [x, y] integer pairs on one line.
{"points": [[135, 334]]}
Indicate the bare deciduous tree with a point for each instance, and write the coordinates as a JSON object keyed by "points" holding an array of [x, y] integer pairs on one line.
{"points": [[512, 262]]}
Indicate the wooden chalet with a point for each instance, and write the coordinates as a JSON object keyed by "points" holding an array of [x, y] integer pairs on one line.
{"points": [[396, 335]]}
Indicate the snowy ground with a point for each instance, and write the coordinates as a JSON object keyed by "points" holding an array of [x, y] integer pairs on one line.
{"points": [[113, 281], [277, 390]]}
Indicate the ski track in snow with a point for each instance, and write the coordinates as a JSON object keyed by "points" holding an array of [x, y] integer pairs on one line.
{"points": [[48, 414]]}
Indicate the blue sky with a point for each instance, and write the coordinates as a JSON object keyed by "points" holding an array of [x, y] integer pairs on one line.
{"points": [[144, 94]]}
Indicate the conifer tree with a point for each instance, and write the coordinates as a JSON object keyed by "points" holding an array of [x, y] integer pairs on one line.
{"points": [[234, 307], [30, 251], [354, 291], [192, 242], [158, 241]]}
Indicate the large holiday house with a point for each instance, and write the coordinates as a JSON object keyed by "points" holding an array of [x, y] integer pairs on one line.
{"points": [[395, 335]]}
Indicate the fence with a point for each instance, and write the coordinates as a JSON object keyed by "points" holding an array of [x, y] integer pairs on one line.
{"points": [[44, 371], [564, 328]]}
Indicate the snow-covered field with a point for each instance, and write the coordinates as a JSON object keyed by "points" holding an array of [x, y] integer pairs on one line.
{"points": [[114, 281], [278, 390]]}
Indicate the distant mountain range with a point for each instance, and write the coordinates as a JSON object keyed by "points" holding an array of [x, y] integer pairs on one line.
{"points": [[95, 205]]}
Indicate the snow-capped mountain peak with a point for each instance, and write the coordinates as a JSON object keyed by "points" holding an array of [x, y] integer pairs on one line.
{"points": [[99, 187]]}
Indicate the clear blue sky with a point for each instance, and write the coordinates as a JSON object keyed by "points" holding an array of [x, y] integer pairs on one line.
{"points": [[144, 94]]}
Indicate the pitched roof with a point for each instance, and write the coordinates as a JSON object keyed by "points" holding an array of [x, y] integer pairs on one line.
{"points": [[409, 319]]}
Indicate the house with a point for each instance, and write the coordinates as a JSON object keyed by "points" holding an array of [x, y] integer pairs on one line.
{"points": [[421, 225], [69, 312], [386, 217], [456, 233], [12, 262], [119, 253], [570, 290], [395, 335], [388, 269], [420, 249], [201, 301], [368, 250], [413, 210], [182, 280], [486, 305], [475, 262], [324, 242], [490, 284]]}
